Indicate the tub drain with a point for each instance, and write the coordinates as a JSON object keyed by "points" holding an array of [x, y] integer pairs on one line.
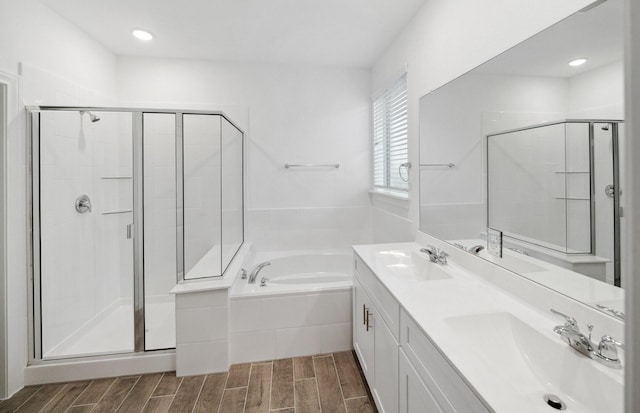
{"points": [[555, 402]]}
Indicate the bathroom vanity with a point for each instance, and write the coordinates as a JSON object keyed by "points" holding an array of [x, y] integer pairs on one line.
{"points": [[436, 337]]}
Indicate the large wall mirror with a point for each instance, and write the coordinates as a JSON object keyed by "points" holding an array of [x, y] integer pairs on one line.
{"points": [[530, 145]]}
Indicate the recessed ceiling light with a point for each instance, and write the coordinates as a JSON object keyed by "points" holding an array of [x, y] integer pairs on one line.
{"points": [[578, 62], [141, 34]]}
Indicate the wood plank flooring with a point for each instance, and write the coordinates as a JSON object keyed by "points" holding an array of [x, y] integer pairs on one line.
{"points": [[326, 383]]}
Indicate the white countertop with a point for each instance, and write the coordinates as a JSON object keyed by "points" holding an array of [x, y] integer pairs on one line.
{"points": [[578, 286], [432, 303]]}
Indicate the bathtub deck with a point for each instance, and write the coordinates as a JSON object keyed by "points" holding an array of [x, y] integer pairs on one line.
{"points": [[331, 382]]}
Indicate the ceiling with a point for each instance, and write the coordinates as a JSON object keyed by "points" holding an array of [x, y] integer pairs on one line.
{"points": [[346, 33], [596, 34]]}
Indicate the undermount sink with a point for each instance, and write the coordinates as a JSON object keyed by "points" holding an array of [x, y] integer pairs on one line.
{"points": [[530, 365], [412, 265]]}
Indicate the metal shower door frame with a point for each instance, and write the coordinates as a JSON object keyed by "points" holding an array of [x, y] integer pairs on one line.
{"points": [[33, 216]]}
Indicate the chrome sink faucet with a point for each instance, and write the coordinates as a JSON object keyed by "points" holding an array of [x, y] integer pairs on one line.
{"points": [[606, 352], [256, 270], [435, 255]]}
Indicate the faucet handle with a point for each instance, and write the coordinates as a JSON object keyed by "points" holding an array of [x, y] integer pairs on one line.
{"points": [[442, 257], [244, 274], [570, 321], [608, 348], [431, 251]]}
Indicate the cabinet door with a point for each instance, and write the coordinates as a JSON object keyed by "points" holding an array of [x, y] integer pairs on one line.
{"points": [[415, 397], [363, 338], [386, 364]]}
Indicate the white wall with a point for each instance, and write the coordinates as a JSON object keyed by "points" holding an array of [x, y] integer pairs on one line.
{"points": [[292, 114], [33, 34], [598, 93], [632, 114], [453, 123], [448, 38]]}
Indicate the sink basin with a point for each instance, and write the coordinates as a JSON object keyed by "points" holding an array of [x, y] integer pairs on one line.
{"points": [[528, 364], [411, 265]]}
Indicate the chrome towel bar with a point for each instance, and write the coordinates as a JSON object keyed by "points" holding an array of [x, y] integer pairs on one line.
{"points": [[448, 165], [311, 165]]}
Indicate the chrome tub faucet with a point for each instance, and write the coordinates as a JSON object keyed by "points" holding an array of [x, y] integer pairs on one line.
{"points": [[256, 270]]}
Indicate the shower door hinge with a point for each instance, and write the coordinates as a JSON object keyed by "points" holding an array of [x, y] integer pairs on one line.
{"points": [[129, 231]]}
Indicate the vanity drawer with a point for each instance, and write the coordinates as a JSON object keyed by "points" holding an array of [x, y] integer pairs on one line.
{"points": [[386, 304], [451, 392]]}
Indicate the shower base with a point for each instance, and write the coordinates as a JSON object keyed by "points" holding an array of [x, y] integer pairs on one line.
{"points": [[111, 332]]}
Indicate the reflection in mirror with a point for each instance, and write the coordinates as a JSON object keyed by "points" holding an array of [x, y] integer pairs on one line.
{"points": [[531, 146], [232, 196]]}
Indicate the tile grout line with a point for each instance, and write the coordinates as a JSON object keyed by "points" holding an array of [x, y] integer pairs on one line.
{"points": [[224, 389], [105, 392], [152, 391], [29, 398], [176, 393], [54, 396], [315, 377], [293, 381], [344, 402], [359, 397], [81, 393], [129, 392], [270, 385], [246, 395], [199, 393]]}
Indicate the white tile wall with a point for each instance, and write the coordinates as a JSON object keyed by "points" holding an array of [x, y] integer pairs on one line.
{"points": [[308, 228], [252, 346], [290, 325], [160, 203], [87, 259], [202, 188], [200, 358], [202, 324], [202, 334]]}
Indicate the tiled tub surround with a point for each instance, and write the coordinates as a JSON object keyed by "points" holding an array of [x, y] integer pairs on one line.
{"points": [[292, 318], [436, 310]]}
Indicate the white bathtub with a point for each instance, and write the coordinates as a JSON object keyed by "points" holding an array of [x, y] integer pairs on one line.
{"points": [[297, 271], [304, 308]]}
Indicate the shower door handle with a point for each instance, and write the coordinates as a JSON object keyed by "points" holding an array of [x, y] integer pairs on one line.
{"points": [[129, 231]]}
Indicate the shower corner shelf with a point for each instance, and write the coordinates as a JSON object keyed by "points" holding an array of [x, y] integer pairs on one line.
{"points": [[117, 211]]}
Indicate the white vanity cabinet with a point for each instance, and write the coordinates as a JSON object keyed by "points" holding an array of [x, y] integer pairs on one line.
{"points": [[375, 344], [446, 388], [404, 369], [415, 395]]}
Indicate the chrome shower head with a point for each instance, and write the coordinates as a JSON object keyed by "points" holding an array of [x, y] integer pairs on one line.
{"points": [[93, 117]]}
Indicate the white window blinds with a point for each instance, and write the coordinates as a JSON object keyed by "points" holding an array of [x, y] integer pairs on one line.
{"points": [[390, 136]]}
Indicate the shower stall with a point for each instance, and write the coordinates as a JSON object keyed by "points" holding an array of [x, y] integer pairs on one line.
{"points": [[557, 185], [125, 203]]}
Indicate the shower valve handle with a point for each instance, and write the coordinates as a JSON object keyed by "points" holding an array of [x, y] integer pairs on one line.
{"points": [[83, 204]]}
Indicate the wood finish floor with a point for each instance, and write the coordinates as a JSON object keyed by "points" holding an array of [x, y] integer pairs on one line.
{"points": [[327, 383]]}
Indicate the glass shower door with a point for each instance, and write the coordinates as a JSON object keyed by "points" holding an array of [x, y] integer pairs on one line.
{"points": [[83, 185]]}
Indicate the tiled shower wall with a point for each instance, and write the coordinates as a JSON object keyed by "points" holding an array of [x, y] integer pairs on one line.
{"points": [[160, 203], [86, 258], [202, 186]]}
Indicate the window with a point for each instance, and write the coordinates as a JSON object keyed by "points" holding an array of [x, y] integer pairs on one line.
{"points": [[390, 137]]}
